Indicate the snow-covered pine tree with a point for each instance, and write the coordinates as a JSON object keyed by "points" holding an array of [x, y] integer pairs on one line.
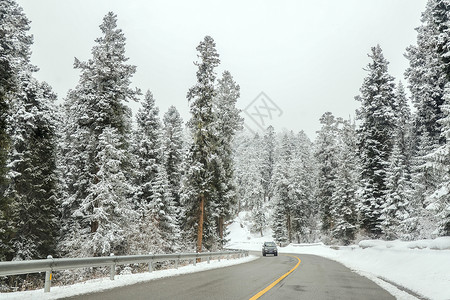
{"points": [[279, 221], [173, 150], [198, 179], [14, 60], [32, 170], [326, 154], [426, 74], [28, 206], [107, 201], [283, 191], [395, 210], [15, 45], [303, 178], [259, 220], [344, 199], [163, 212], [439, 201], [227, 123], [377, 123], [268, 159], [248, 177], [148, 138], [97, 103], [173, 158]]}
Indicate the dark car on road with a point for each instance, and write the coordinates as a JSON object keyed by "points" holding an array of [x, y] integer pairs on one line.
{"points": [[269, 248]]}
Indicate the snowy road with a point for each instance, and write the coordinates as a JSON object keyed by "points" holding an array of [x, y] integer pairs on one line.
{"points": [[315, 278]]}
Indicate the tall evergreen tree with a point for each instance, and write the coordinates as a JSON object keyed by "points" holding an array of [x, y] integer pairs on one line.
{"points": [[173, 159], [426, 75], [375, 144], [97, 103], [283, 189], [198, 180], [15, 44], [148, 137], [395, 209], [32, 170], [302, 182], [343, 212], [227, 123], [327, 163]]}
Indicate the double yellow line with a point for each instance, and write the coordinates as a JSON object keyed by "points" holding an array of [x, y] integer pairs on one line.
{"points": [[276, 281]]}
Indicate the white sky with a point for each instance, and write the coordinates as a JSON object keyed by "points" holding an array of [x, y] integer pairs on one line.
{"points": [[307, 56]]}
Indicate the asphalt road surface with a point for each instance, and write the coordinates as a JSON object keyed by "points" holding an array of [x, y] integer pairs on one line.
{"points": [[315, 278]]}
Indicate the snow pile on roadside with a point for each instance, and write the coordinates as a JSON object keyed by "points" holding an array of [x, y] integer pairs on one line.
{"points": [[442, 243], [101, 284], [422, 267]]}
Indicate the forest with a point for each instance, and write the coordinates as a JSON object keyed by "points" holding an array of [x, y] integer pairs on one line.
{"points": [[84, 177]]}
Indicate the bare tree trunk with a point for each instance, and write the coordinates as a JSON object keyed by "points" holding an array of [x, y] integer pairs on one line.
{"points": [[221, 231], [289, 227], [200, 223]]}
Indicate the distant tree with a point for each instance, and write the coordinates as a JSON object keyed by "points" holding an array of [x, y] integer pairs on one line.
{"points": [[268, 159], [283, 189], [326, 154], [302, 186], [248, 178], [377, 124], [280, 233]]}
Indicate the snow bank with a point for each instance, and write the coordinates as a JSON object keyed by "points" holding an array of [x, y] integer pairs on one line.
{"points": [[101, 284], [442, 243]]}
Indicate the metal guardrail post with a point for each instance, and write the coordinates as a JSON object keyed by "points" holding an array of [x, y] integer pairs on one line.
{"points": [[209, 259], [112, 270], [177, 261], [48, 278], [150, 266]]}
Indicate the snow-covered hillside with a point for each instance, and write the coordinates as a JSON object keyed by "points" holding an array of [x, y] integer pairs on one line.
{"points": [[420, 267]]}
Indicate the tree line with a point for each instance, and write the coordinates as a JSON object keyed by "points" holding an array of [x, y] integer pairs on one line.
{"points": [[79, 179], [383, 175]]}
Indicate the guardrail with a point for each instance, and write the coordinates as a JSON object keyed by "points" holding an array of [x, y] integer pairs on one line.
{"points": [[56, 264]]}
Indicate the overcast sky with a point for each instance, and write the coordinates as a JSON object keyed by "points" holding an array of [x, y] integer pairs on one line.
{"points": [[307, 57]]}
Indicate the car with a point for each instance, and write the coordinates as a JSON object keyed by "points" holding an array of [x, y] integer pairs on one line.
{"points": [[269, 248]]}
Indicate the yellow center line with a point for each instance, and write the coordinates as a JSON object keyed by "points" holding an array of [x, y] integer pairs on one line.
{"points": [[276, 281]]}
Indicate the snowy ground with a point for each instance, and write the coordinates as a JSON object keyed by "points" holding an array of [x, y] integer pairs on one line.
{"points": [[421, 267], [101, 284]]}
